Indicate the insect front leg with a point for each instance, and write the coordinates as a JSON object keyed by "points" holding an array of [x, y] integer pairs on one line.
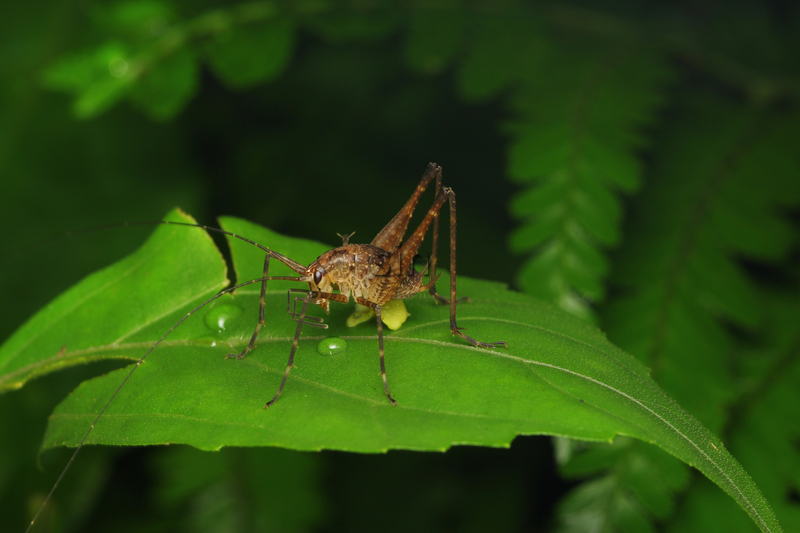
{"points": [[291, 309], [262, 300], [317, 322]]}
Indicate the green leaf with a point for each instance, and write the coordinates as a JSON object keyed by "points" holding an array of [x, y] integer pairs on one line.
{"points": [[764, 427], [96, 77], [637, 473], [535, 233], [538, 151], [114, 307], [559, 376], [167, 84], [364, 22], [250, 54], [615, 166], [538, 199], [134, 19], [594, 506]]}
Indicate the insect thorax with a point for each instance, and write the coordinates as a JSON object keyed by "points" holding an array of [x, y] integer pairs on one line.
{"points": [[352, 269]]}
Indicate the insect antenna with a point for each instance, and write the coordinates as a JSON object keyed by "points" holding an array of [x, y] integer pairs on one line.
{"points": [[138, 363], [297, 267], [294, 265]]}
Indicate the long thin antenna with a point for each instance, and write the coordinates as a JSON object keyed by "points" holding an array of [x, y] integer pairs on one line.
{"points": [[294, 265], [138, 363]]}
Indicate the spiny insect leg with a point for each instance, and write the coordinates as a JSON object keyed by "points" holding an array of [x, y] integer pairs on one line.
{"points": [[380, 354], [435, 244], [453, 326], [391, 236], [401, 260], [301, 318], [435, 247], [377, 308], [291, 308]]}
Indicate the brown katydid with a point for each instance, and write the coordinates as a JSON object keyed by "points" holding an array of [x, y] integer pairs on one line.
{"points": [[373, 274]]}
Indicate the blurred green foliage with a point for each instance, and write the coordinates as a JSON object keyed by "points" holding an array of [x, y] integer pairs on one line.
{"points": [[655, 155]]}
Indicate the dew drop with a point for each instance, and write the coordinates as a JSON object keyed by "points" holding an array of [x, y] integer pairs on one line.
{"points": [[218, 318], [332, 346]]}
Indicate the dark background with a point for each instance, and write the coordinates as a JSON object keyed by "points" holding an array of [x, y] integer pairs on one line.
{"points": [[334, 142]]}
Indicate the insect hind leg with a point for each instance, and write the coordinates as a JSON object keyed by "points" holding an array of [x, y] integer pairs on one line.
{"points": [[453, 301]]}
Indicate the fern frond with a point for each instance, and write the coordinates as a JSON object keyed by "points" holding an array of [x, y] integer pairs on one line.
{"points": [[574, 141], [680, 274], [678, 265], [635, 481], [504, 48]]}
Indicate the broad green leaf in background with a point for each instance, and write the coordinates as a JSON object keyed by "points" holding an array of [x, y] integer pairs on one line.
{"points": [[231, 489], [559, 375], [90, 77], [352, 22], [134, 20], [167, 85], [623, 483], [250, 54]]}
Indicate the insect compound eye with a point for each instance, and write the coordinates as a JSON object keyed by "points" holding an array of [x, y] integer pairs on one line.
{"points": [[318, 274]]}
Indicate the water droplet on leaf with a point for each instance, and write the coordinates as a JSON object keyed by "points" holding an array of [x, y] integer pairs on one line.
{"points": [[332, 346], [218, 318]]}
